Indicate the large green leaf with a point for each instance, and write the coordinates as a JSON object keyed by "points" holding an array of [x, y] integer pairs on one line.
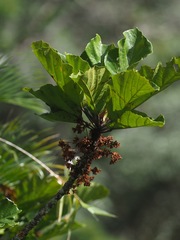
{"points": [[52, 62], [93, 51], [62, 107], [127, 87], [131, 49], [161, 76], [166, 75], [8, 213], [132, 119]]}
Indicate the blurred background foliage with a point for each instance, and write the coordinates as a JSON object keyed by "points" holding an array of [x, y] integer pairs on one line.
{"points": [[145, 185]]}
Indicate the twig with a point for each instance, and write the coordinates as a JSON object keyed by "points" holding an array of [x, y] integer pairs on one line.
{"points": [[45, 210], [52, 202]]}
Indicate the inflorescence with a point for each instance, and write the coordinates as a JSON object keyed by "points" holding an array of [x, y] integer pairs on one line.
{"points": [[85, 151]]}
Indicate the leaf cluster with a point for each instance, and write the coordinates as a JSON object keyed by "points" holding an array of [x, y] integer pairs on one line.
{"points": [[103, 79]]}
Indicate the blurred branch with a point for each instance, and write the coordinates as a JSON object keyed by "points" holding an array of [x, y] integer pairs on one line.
{"points": [[45, 210], [78, 171], [33, 158]]}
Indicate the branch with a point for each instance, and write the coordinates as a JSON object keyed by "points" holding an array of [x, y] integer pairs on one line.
{"points": [[52, 202], [45, 210], [79, 173]]}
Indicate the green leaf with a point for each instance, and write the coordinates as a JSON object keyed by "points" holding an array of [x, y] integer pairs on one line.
{"points": [[74, 93], [94, 192], [53, 62], [147, 72], [128, 87], [111, 61], [62, 107], [165, 76], [94, 85], [132, 119], [59, 116], [131, 49], [96, 211], [8, 213], [41, 190], [95, 51], [161, 76], [78, 64]]}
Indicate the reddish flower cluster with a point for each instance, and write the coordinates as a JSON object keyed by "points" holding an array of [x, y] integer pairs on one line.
{"points": [[104, 146], [67, 152], [87, 151]]}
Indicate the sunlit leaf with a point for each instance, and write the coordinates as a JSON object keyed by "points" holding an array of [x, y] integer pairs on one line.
{"points": [[161, 76], [165, 76], [127, 87], [131, 49], [111, 61], [132, 119], [95, 51], [52, 62], [78, 64], [94, 84]]}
